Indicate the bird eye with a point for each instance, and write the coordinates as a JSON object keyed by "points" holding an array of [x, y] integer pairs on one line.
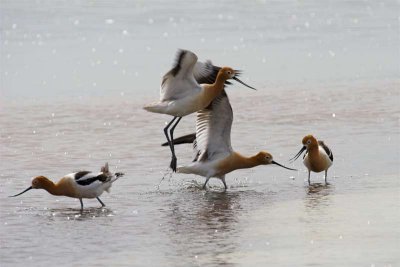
{"points": [[309, 142], [229, 72]]}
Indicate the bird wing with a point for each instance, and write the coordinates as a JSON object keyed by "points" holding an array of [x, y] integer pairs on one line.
{"points": [[206, 72], [213, 129], [179, 81], [328, 151], [87, 178]]}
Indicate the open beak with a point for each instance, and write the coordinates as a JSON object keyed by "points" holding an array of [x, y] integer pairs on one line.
{"points": [[298, 154], [239, 81], [276, 163], [29, 188]]}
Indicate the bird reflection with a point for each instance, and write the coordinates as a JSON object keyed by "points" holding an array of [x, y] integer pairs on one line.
{"points": [[77, 214], [318, 196], [199, 220]]}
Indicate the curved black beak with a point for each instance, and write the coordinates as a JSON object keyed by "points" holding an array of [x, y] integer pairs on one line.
{"points": [[298, 154], [276, 163], [29, 188], [239, 81]]}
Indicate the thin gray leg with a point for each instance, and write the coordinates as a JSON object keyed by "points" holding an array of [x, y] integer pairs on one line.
{"points": [[205, 184], [309, 173], [81, 203], [101, 202], [326, 177], [223, 181]]}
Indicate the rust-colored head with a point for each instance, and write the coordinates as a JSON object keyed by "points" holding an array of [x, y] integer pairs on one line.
{"points": [[40, 182], [226, 73], [265, 158], [309, 141], [37, 183]]}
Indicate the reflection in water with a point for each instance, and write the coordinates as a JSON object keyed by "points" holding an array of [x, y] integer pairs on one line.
{"points": [[78, 215], [318, 196], [204, 224]]}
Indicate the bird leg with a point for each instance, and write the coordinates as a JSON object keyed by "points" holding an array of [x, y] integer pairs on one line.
{"points": [[168, 140], [81, 204], [309, 183], [223, 181], [326, 177], [205, 184], [171, 133], [101, 202]]}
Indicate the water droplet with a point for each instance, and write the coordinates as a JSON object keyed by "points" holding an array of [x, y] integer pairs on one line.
{"points": [[333, 115], [109, 21]]}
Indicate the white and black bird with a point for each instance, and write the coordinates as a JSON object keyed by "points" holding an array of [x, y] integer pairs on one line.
{"points": [[187, 88], [318, 156], [83, 184], [214, 156]]}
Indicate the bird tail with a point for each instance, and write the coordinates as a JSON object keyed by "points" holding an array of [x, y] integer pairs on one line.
{"points": [[113, 177], [157, 107], [186, 139], [105, 169], [117, 175]]}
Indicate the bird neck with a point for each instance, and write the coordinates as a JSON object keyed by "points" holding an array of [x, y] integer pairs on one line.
{"points": [[213, 90], [52, 188], [313, 151], [244, 162]]}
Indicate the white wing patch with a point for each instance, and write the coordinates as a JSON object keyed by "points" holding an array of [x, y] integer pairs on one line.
{"points": [[213, 129]]}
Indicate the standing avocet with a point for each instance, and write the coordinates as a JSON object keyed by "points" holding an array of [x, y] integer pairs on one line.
{"points": [[214, 156], [83, 184], [181, 93], [318, 157]]}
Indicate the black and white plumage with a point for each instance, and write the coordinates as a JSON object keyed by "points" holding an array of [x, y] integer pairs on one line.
{"points": [[187, 88], [82, 184], [214, 156], [318, 156]]}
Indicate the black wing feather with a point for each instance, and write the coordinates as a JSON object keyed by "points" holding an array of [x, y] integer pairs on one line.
{"points": [[327, 149], [80, 174], [101, 177]]}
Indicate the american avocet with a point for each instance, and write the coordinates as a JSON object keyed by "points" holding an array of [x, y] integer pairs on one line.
{"points": [[83, 184], [181, 93], [214, 156], [318, 157]]}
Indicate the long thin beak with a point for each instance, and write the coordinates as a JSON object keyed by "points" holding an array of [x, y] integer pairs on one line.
{"points": [[276, 163], [298, 154], [239, 81], [29, 188]]}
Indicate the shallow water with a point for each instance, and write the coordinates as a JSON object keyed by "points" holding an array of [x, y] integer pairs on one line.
{"points": [[66, 108]]}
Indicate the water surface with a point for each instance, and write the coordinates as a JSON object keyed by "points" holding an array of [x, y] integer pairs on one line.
{"points": [[74, 78]]}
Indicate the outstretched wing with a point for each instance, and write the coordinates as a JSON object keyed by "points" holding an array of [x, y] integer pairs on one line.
{"points": [[328, 151], [206, 72], [179, 81], [213, 129]]}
